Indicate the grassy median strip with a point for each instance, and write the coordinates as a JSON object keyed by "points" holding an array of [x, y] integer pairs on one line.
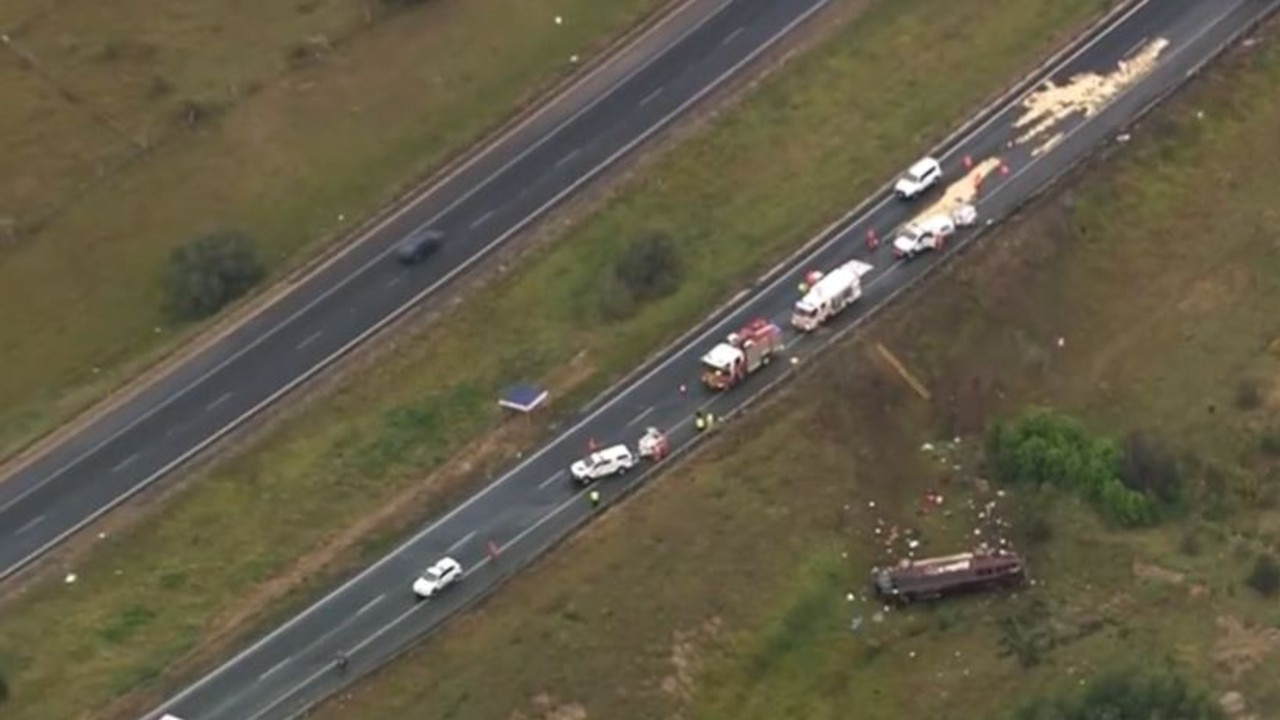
{"points": [[803, 148], [138, 127], [721, 591]]}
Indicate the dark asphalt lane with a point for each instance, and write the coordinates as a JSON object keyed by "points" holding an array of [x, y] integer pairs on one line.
{"points": [[533, 506], [98, 468]]}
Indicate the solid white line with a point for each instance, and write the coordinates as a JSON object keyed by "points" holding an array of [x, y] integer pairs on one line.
{"points": [[641, 416], [125, 463], [733, 36], [310, 339], [429, 192], [572, 154], [370, 604], [454, 547], [480, 221], [30, 524], [649, 98], [221, 399], [275, 667]]}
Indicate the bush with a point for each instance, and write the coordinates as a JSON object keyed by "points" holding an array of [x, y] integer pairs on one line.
{"points": [[1248, 395], [206, 274], [1148, 467], [4, 689], [1045, 448], [648, 269], [1269, 442], [1265, 576], [1126, 697]]}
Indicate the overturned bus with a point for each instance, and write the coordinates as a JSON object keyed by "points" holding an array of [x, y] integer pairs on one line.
{"points": [[934, 578]]}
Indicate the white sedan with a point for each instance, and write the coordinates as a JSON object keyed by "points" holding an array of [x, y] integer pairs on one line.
{"points": [[444, 573]]}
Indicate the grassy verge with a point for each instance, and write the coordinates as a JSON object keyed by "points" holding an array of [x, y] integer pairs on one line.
{"points": [[837, 122], [720, 591], [307, 118]]}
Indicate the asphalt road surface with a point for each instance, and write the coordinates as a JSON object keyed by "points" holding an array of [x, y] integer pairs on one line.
{"points": [[662, 74], [374, 615]]}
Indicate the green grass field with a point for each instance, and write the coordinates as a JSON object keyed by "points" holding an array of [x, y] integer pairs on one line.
{"points": [[318, 491], [312, 112], [719, 592]]}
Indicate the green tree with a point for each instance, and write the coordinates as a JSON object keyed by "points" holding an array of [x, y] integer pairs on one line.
{"points": [[1126, 696], [1046, 448], [206, 274]]}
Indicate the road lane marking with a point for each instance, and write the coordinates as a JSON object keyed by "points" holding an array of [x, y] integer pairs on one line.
{"points": [[649, 98], [30, 524], [572, 154], [310, 339], [641, 416], [480, 221], [427, 193], [125, 463], [454, 547], [370, 604], [733, 36], [1135, 46], [275, 667], [543, 485], [221, 399], [394, 281]]}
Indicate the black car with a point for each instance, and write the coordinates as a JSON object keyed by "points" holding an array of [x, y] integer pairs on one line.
{"points": [[419, 246]]}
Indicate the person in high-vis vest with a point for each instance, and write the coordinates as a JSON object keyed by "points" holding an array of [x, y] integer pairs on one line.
{"points": [[595, 498], [699, 421]]}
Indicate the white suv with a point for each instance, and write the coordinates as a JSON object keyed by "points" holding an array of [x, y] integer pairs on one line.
{"points": [[926, 234], [609, 461], [921, 176], [444, 573]]}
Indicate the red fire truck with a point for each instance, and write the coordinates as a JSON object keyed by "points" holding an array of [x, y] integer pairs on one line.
{"points": [[741, 354]]}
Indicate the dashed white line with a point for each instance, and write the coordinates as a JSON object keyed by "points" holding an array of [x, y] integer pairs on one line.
{"points": [[221, 399], [394, 281], [275, 667], [649, 98], [543, 485], [30, 524], [454, 547], [733, 35], [481, 220], [572, 154], [640, 417], [370, 604], [310, 339], [125, 463]]}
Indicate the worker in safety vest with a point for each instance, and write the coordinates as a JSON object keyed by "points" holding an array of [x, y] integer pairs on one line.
{"points": [[700, 420], [595, 498]]}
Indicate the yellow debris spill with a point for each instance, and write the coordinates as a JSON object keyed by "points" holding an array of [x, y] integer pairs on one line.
{"points": [[1086, 94], [962, 191]]}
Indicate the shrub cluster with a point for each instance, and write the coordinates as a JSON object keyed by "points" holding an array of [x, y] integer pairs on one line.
{"points": [[206, 274], [1118, 696], [1130, 485], [649, 268]]}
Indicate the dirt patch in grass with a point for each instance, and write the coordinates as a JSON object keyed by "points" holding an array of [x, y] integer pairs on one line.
{"points": [[386, 428], [775, 521], [295, 153]]}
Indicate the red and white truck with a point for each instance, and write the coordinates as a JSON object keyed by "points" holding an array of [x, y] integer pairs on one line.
{"points": [[828, 295], [741, 354]]}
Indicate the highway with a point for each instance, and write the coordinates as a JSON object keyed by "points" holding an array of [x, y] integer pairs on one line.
{"points": [[481, 205], [1099, 85]]}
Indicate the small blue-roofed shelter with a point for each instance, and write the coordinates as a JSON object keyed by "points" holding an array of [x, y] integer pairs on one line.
{"points": [[523, 398]]}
